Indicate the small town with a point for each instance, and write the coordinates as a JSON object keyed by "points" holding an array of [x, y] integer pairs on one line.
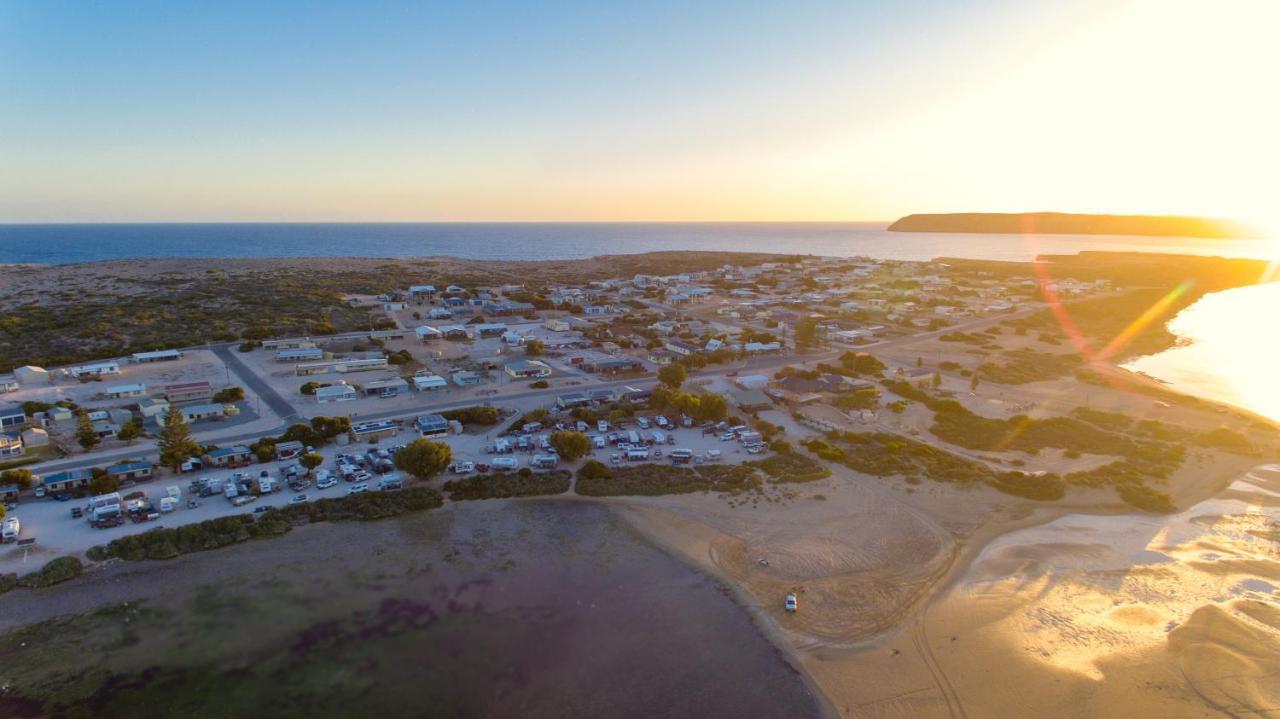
{"points": [[501, 375]]}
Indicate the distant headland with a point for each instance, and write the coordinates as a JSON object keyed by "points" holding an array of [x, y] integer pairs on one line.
{"points": [[1060, 223]]}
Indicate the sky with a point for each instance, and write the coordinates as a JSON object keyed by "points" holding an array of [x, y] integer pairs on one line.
{"points": [[589, 111]]}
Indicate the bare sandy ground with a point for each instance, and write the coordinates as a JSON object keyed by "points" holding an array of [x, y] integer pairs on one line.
{"points": [[937, 601]]}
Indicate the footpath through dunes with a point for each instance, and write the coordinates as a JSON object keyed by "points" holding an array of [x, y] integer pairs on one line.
{"points": [[1098, 616]]}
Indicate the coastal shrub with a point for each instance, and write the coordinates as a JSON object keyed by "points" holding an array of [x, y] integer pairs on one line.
{"points": [[502, 486], [1023, 365], [1043, 487], [1146, 498], [53, 572], [225, 531], [790, 467], [653, 480], [476, 414]]}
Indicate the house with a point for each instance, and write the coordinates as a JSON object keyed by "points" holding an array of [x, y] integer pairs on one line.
{"points": [[151, 407], [335, 393], [288, 343], [189, 392], [662, 357], [467, 378], [752, 381], [30, 375], [805, 385], [393, 306], [360, 365], [133, 471], [9, 493], [528, 369], [237, 456], [454, 332], [289, 450], [392, 387], [97, 369], [432, 425], [574, 399], [680, 347], [427, 333], [125, 390], [596, 309], [157, 356], [300, 354], [556, 325], [439, 313], [489, 329], [713, 344], [613, 365], [750, 399], [12, 416], [66, 481], [9, 384], [503, 309], [198, 412], [395, 334], [374, 431], [422, 292], [513, 338], [10, 444], [429, 383], [762, 347], [34, 437]]}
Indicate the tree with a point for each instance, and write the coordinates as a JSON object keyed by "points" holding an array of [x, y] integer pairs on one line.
{"points": [[570, 445], [21, 477], [711, 407], [593, 469], [311, 460], [424, 458], [672, 375], [130, 431], [265, 452], [534, 348], [937, 379], [806, 333], [85, 433], [103, 483], [229, 395], [176, 443]]}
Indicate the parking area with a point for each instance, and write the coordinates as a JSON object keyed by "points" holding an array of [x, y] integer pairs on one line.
{"points": [[56, 532]]}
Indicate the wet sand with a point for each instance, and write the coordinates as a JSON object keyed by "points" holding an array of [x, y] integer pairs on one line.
{"points": [[537, 609]]}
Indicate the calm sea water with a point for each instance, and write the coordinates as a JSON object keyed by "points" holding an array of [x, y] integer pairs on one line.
{"points": [[63, 244], [1226, 352]]}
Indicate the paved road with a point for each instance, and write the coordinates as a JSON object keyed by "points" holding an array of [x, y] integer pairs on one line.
{"points": [[274, 400]]}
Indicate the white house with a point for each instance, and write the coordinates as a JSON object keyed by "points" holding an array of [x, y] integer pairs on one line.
{"points": [[335, 393], [28, 375], [426, 333], [126, 390], [429, 383]]}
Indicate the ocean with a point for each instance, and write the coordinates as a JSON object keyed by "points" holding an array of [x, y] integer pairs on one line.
{"points": [[73, 243]]}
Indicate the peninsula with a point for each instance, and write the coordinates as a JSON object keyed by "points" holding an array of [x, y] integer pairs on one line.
{"points": [[1059, 223]]}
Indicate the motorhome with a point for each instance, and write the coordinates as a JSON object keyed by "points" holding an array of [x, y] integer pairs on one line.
{"points": [[504, 463], [10, 530], [681, 456], [643, 422], [390, 482], [637, 455], [658, 437], [544, 461], [633, 437]]}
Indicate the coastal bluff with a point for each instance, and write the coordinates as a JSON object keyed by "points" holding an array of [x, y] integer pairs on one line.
{"points": [[1059, 223]]}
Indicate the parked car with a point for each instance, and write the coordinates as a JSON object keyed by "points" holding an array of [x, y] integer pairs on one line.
{"points": [[791, 604], [298, 499], [326, 481], [358, 488]]}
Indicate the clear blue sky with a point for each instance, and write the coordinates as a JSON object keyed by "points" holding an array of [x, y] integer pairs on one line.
{"points": [[582, 110]]}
